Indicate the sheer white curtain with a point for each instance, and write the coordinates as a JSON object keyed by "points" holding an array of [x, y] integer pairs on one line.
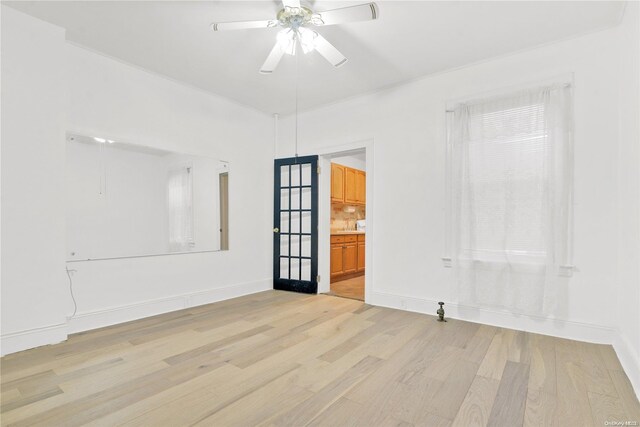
{"points": [[180, 209], [511, 188]]}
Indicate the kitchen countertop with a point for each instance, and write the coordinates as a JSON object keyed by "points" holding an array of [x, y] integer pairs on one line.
{"points": [[345, 232]]}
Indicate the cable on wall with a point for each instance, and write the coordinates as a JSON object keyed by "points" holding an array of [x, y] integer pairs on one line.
{"points": [[75, 304]]}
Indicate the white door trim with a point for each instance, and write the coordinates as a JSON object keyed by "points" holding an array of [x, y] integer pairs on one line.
{"points": [[324, 211]]}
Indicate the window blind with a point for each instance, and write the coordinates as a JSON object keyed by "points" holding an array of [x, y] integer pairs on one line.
{"points": [[506, 181]]}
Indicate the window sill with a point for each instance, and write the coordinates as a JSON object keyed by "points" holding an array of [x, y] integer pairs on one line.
{"points": [[563, 270]]}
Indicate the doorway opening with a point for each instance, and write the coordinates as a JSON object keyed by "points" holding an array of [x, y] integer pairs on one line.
{"points": [[303, 225], [347, 223]]}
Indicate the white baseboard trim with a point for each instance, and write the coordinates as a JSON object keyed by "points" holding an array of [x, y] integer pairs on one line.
{"points": [[629, 359], [539, 325], [24, 340], [114, 315], [31, 338]]}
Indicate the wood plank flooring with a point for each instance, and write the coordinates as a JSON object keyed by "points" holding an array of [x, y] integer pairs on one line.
{"points": [[285, 359], [349, 288]]}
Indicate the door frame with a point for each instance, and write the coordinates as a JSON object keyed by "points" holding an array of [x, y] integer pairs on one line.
{"points": [[324, 212]]}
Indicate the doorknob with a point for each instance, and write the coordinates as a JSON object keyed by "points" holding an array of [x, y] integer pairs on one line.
{"points": [[276, 230]]}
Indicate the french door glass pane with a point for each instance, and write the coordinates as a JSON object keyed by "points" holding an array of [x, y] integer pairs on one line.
{"points": [[306, 174], [284, 245], [295, 245], [284, 176], [295, 222], [295, 269], [295, 198], [284, 199], [295, 175], [284, 222], [306, 269], [284, 268], [306, 246], [306, 222], [306, 198]]}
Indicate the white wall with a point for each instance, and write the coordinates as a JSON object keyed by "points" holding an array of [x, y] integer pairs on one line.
{"points": [[407, 124], [108, 98], [34, 292], [628, 186], [123, 103]]}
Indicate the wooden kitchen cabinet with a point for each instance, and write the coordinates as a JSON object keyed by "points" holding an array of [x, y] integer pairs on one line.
{"points": [[337, 260], [337, 182], [350, 258], [347, 255], [348, 185], [361, 257], [361, 187]]}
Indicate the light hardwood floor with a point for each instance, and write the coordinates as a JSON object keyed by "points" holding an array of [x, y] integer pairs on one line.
{"points": [[349, 288], [279, 358]]}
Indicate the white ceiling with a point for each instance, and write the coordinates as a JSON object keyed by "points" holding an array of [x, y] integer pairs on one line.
{"points": [[411, 39]]}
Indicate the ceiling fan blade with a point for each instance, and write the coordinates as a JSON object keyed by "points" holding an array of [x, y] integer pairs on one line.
{"points": [[361, 12], [241, 25], [328, 51], [272, 60], [291, 3]]}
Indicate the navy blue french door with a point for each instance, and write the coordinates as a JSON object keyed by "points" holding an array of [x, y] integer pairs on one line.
{"points": [[295, 225]]}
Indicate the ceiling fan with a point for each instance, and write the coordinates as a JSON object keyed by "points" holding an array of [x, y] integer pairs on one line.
{"points": [[295, 20]]}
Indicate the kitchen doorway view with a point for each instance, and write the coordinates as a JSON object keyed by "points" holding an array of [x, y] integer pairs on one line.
{"points": [[348, 225]]}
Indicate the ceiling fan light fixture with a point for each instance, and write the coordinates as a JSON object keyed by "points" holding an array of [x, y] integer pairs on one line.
{"points": [[289, 38], [294, 17], [307, 39], [295, 20], [286, 39]]}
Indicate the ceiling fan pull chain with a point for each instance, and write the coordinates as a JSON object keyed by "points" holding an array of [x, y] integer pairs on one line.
{"points": [[297, 77]]}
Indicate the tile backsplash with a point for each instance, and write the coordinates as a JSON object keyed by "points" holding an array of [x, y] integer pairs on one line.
{"points": [[343, 217]]}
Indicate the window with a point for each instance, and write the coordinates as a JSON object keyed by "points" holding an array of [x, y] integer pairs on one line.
{"points": [[180, 209], [510, 186]]}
